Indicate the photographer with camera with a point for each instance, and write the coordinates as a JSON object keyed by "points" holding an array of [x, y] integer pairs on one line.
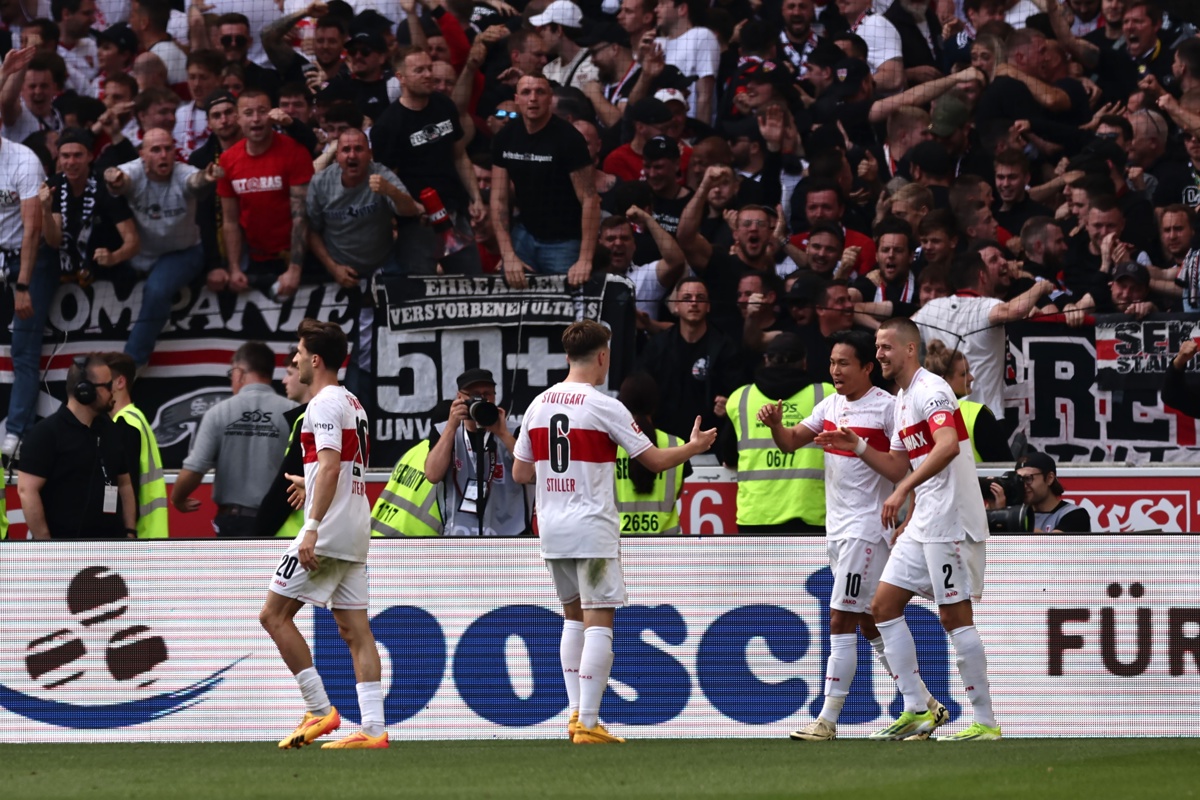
{"points": [[1043, 493], [471, 461]]}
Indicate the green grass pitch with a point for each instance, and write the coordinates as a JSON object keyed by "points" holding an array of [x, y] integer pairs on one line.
{"points": [[679, 768]]}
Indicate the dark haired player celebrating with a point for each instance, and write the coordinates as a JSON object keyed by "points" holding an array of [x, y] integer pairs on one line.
{"points": [[941, 552], [331, 552], [857, 542], [568, 445]]}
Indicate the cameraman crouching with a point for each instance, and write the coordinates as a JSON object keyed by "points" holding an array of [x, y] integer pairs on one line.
{"points": [[1043, 493], [470, 458]]}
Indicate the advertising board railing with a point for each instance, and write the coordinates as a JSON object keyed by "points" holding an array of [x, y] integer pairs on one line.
{"points": [[727, 636]]}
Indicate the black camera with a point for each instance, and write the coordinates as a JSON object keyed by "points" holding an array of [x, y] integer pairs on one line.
{"points": [[1012, 484], [1012, 519], [484, 413]]}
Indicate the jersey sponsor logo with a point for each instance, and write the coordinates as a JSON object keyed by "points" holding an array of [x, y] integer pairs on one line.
{"points": [[267, 183], [917, 440], [431, 133], [939, 402]]}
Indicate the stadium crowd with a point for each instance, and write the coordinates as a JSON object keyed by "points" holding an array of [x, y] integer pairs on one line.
{"points": [[765, 173]]}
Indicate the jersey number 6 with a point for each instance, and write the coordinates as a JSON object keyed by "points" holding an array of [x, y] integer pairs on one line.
{"points": [[560, 445]]}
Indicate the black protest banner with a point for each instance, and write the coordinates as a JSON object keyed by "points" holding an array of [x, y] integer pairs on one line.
{"points": [[1093, 394], [187, 371], [429, 330]]}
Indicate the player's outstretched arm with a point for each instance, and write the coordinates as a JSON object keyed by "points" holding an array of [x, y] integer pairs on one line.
{"points": [[661, 460], [789, 440], [523, 471], [892, 465]]}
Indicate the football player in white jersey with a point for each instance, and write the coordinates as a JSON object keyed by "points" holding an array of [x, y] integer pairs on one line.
{"points": [[326, 564], [568, 447], [857, 541], [941, 552]]}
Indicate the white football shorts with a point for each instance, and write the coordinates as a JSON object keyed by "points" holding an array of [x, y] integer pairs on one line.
{"points": [[333, 584], [857, 565], [945, 572], [594, 582]]}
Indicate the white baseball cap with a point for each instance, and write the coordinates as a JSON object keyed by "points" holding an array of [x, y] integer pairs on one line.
{"points": [[667, 95], [563, 12]]}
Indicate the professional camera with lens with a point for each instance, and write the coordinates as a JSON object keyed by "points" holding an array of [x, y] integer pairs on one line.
{"points": [[1014, 518], [484, 413]]}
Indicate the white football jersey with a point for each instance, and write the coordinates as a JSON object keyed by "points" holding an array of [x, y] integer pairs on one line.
{"points": [[949, 506], [854, 493], [335, 420], [570, 434]]}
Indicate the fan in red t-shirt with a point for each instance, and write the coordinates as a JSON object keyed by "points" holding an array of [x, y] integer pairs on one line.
{"points": [[263, 204]]}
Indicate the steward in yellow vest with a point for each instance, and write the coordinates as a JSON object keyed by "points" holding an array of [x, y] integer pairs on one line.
{"points": [[988, 442], [777, 492], [141, 448], [4, 507], [653, 511], [276, 517], [408, 505]]}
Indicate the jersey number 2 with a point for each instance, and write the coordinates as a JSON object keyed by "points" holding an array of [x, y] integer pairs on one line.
{"points": [[560, 445]]}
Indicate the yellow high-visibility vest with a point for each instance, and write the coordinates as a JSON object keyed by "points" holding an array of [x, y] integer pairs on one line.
{"points": [[773, 486], [654, 512], [408, 505], [152, 520], [970, 412], [292, 526]]}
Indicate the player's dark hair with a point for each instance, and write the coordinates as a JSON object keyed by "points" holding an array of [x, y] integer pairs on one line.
{"points": [[860, 342], [324, 339], [965, 272], [122, 365], [256, 357], [639, 393], [582, 339], [158, 12]]}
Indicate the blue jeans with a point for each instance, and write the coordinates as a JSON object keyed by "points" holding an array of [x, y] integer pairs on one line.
{"points": [[27, 341], [170, 273], [548, 258]]}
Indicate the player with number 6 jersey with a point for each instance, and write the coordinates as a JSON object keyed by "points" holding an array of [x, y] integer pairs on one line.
{"points": [[568, 447], [326, 565]]}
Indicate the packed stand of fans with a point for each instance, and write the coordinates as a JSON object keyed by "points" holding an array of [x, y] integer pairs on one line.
{"points": [[754, 168]]}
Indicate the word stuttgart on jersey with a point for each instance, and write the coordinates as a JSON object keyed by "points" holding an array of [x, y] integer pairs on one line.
{"points": [[269, 183]]}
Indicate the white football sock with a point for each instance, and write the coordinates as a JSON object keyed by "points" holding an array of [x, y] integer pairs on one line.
{"points": [[570, 650], [880, 656], [370, 706], [902, 656], [972, 668], [839, 673], [313, 691], [594, 666]]}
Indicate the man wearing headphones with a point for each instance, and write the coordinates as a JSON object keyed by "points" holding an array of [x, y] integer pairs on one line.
{"points": [[72, 477]]}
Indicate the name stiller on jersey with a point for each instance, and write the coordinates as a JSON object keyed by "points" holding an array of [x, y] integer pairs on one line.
{"points": [[571, 433]]}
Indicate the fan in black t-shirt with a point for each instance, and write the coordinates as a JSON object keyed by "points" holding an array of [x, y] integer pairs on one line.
{"points": [[550, 167]]}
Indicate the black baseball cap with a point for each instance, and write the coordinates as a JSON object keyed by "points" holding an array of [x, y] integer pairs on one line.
{"points": [[474, 376], [121, 35], [848, 77], [660, 147], [1039, 461], [217, 98], [650, 111], [601, 33], [1127, 269], [368, 39], [932, 158], [77, 136]]}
